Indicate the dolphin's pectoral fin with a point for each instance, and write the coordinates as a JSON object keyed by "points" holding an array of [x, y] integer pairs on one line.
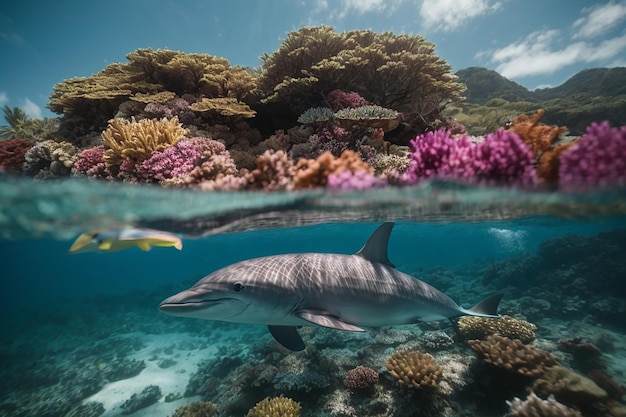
{"points": [[326, 320], [288, 337]]}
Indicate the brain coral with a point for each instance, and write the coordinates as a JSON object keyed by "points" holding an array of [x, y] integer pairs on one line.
{"points": [[360, 378], [275, 407], [415, 368], [512, 355], [470, 327]]}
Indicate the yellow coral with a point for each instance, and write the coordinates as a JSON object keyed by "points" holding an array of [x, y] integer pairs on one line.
{"points": [[512, 355], [136, 141], [314, 172], [470, 327], [196, 409], [415, 368], [275, 407]]}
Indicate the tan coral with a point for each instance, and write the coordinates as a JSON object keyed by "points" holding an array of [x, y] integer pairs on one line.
{"points": [[314, 172], [414, 368], [223, 106], [534, 406], [470, 327], [275, 407], [136, 141], [512, 355], [274, 171], [161, 97]]}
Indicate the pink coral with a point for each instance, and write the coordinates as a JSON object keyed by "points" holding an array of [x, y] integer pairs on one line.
{"points": [[274, 171], [359, 180], [173, 162], [361, 378], [90, 162], [339, 99], [597, 159]]}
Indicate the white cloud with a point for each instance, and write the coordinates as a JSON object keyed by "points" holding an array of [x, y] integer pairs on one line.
{"points": [[31, 109], [599, 19], [449, 15], [351, 7], [4, 98]]}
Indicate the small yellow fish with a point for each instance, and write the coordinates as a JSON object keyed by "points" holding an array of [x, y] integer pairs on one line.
{"points": [[117, 240]]}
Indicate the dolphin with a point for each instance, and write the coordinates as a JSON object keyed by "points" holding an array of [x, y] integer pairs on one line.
{"points": [[345, 292]]}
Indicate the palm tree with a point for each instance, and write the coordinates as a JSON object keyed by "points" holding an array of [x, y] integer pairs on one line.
{"points": [[22, 126]]}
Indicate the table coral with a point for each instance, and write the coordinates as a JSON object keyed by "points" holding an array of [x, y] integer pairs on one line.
{"points": [[134, 141], [415, 368], [512, 355], [534, 406], [598, 158], [275, 407], [360, 378], [470, 327]]}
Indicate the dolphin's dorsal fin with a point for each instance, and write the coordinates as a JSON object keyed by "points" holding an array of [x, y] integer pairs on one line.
{"points": [[375, 249]]}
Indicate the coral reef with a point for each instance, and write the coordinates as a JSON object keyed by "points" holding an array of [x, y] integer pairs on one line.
{"points": [[597, 159], [12, 154], [196, 409], [90, 162], [148, 396], [314, 173], [274, 171], [134, 141], [173, 162], [275, 407], [512, 355], [360, 378], [414, 368], [534, 406], [50, 159], [470, 327], [339, 100]]}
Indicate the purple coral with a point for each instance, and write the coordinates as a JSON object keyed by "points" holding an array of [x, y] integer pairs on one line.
{"points": [[90, 162], [173, 162], [339, 99], [502, 158], [359, 180], [175, 107], [597, 159], [361, 378]]}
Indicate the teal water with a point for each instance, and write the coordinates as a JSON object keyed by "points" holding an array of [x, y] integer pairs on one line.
{"points": [[67, 318]]}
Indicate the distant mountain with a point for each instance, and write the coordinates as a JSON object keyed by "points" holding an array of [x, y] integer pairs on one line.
{"points": [[484, 84]]}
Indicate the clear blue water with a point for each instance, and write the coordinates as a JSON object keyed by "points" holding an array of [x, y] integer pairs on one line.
{"points": [[440, 229]]}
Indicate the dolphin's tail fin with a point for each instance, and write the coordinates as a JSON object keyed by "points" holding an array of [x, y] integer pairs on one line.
{"points": [[487, 307]]}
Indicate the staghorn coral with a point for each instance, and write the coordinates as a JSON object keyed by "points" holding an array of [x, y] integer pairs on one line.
{"points": [[134, 141], [414, 368], [512, 355], [274, 171], [12, 154], [360, 378], [90, 162], [534, 406], [49, 159], [395, 71], [469, 327], [314, 172], [275, 407], [598, 158], [196, 409]]}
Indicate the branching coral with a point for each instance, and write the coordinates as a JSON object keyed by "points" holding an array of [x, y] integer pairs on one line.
{"points": [[360, 378], [90, 162], [598, 158], [176, 107], [134, 141], [275, 407], [173, 162], [274, 171], [315, 172], [396, 71], [512, 355], [339, 99], [534, 406], [50, 159], [213, 163], [415, 369], [470, 327], [12, 153]]}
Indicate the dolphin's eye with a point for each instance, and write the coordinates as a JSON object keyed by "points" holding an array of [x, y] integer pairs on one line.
{"points": [[238, 286]]}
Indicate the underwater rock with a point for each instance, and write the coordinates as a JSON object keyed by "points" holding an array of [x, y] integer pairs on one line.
{"points": [[148, 396]]}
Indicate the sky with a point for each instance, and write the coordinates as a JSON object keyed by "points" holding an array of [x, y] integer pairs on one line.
{"points": [[536, 43]]}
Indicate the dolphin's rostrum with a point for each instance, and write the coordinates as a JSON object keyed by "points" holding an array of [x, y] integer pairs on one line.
{"points": [[345, 292]]}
